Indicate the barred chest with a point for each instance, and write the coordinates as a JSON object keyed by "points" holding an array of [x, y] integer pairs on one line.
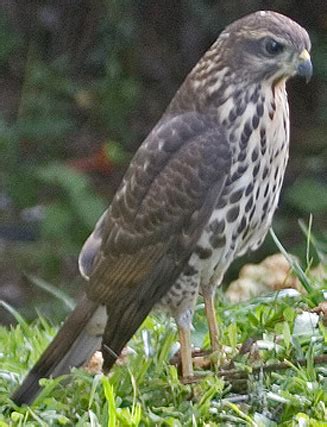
{"points": [[257, 124]]}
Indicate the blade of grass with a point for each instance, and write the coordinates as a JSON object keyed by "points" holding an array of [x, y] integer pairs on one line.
{"points": [[95, 383], [58, 293], [93, 419], [240, 413], [110, 397], [309, 234], [293, 263], [14, 313], [319, 247]]}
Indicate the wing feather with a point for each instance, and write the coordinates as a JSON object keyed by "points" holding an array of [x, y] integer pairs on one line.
{"points": [[159, 207]]}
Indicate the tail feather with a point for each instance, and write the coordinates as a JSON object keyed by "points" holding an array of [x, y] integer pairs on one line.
{"points": [[75, 342], [127, 311]]}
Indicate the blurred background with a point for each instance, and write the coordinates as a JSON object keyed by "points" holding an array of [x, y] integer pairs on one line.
{"points": [[81, 84]]}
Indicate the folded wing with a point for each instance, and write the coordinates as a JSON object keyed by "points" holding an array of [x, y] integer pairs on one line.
{"points": [[143, 241]]}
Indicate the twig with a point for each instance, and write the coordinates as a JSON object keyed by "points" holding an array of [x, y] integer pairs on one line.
{"points": [[239, 376]]}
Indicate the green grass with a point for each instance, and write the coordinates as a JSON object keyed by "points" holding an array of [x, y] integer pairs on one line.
{"points": [[146, 391]]}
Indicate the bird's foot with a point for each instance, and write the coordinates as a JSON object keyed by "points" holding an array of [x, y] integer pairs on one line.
{"points": [[202, 361]]}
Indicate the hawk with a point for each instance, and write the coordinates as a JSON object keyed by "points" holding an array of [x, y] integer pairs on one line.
{"points": [[200, 191]]}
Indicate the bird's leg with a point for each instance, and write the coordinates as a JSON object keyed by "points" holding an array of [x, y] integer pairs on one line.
{"points": [[184, 331], [209, 306]]}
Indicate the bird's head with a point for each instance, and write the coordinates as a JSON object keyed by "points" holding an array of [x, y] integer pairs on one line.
{"points": [[261, 49], [266, 46]]}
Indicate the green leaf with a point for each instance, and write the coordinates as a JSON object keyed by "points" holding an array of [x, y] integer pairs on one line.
{"points": [[308, 195], [79, 200], [116, 153], [57, 221]]}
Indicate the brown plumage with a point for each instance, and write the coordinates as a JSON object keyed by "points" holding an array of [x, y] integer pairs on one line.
{"points": [[190, 200]]}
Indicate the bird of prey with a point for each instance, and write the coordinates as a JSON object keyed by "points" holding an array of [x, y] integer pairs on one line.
{"points": [[200, 191]]}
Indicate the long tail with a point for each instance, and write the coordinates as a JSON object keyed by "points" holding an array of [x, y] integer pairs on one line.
{"points": [[127, 311], [73, 345]]}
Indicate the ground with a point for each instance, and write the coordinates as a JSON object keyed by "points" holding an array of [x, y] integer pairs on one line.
{"points": [[274, 352]]}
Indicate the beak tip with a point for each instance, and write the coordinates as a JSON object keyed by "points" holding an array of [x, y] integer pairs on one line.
{"points": [[305, 70]]}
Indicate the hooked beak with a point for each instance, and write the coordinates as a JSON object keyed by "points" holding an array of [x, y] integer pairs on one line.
{"points": [[304, 66]]}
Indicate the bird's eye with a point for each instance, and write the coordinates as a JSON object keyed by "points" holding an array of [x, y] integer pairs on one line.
{"points": [[272, 47]]}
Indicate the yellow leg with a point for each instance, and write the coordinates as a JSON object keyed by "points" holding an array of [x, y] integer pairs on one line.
{"points": [[211, 319], [186, 350]]}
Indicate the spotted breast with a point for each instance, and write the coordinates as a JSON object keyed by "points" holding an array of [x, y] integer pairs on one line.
{"points": [[245, 211]]}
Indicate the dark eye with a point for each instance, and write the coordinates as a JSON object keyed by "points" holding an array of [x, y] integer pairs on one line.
{"points": [[272, 47]]}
